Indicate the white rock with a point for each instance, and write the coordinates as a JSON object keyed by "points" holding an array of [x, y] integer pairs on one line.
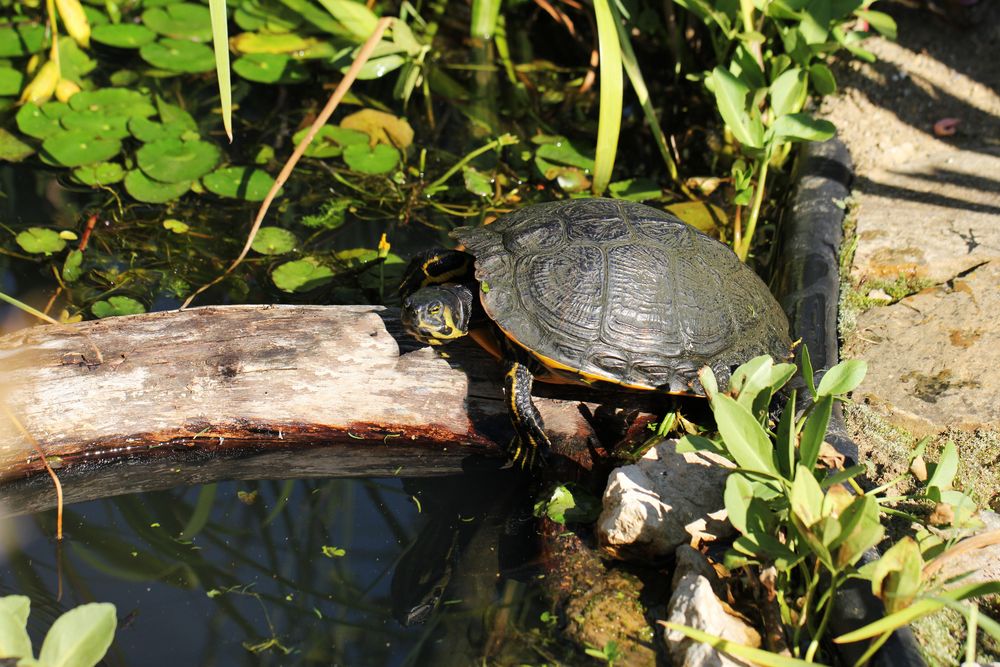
{"points": [[695, 605], [661, 502]]}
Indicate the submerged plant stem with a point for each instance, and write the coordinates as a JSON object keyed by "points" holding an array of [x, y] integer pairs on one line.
{"points": [[499, 142]]}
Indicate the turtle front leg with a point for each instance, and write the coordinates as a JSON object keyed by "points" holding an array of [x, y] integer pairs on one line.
{"points": [[530, 447]]}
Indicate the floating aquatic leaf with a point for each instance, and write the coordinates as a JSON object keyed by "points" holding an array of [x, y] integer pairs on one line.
{"points": [[239, 182], [181, 20], [40, 240], [266, 14], [477, 182], [330, 140], [72, 148], [177, 55], [175, 160], [117, 305], [271, 68], [274, 241], [123, 35], [381, 127], [379, 159], [148, 131], [703, 216], [176, 226], [40, 121], [288, 43], [99, 173], [117, 101], [99, 124], [21, 40], [301, 275], [71, 270], [11, 81], [13, 149], [147, 190]]}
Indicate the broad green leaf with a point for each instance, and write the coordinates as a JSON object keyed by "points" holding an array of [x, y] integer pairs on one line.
{"points": [[11, 81], [239, 182], [788, 92], [151, 191], [99, 173], [98, 124], [301, 275], [569, 504], [822, 79], [179, 55], [766, 547], [803, 127], [71, 270], [176, 226], [737, 497], [14, 639], [897, 575], [22, 39], [843, 378], [148, 131], [921, 607], [814, 431], [112, 101], [123, 35], [805, 362], [731, 98], [39, 121], [355, 17], [72, 148], [40, 240], [946, 468], [882, 22], [477, 182], [271, 68], [274, 241], [644, 189], [708, 382], [80, 637], [288, 43], [697, 443], [116, 306], [754, 656], [860, 530], [378, 159], [806, 496], [744, 437], [701, 215], [381, 127], [556, 151], [330, 140], [180, 20], [12, 149], [176, 161]]}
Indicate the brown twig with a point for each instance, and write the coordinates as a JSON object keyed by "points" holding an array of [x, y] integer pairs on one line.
{"points": [[52, 473], [363, 55]]}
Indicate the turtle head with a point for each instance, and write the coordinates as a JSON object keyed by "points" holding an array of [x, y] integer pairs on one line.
{"points": [[439, 314]]}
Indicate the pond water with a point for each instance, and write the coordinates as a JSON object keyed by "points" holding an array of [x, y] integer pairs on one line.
{"points": [[290, 572]]}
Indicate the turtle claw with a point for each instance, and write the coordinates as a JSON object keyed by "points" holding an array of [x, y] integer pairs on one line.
{"points": [[524, 454]]}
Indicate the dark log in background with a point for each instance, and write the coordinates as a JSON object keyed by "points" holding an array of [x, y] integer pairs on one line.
{"points": [[149, 401]]}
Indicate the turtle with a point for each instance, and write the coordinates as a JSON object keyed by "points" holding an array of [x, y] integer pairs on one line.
{"points": [[593, 291]]}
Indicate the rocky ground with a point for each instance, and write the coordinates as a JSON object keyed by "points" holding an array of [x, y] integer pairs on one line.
{"points": [[921, 274]]}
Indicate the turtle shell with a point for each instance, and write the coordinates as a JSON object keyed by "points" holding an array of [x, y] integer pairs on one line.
{"points": [[617, 291]]}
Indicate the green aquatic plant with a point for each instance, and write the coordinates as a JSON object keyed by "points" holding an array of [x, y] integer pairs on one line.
{"points": [[78, 638]]}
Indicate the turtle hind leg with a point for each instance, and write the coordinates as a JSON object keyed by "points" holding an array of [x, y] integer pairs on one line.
{"points": [[530, 446]]}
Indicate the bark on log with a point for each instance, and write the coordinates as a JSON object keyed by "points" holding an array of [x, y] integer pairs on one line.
{"points": [[172, 389]]}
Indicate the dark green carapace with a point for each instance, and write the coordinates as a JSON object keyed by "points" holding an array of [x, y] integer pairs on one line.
{"points": [[594, 291]]}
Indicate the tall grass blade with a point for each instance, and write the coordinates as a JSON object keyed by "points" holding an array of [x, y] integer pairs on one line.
{"points": [[612, 90], [220, 40], [484, 18]]}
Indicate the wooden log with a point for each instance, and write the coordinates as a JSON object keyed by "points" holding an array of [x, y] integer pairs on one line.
{"points": [[170, 390]]}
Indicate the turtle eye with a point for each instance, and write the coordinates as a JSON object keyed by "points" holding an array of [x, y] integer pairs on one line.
{"points": [[434, 310]]}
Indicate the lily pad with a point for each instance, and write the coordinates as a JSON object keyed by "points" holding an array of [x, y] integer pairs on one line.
{"points": [[182, 20], [274, 241], [99, 173], [41, 121], [301, 275], [381, 127], [116, 101], [145, 189], [123, 35], [176, 226], [11, 81], [148, 131], [330, 141], [72, 148], [21, 40], [97, 123], [72, 270], [271, 68], [289, 43], [116, 306], [266, 14], [178, 55], [239, 182], [175, 161], [378, 159], [13, 149], [40, 240]]}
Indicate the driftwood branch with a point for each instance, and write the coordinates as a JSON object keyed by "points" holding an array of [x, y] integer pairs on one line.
{"points": [[172, 390]]}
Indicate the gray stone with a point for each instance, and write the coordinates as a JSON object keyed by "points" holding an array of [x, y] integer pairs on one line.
{"points": [[931, 219], [932, 356], [981, 564], [695, 605], [664, 500]]}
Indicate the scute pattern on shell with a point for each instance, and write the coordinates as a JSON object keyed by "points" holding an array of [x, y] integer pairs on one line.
{"points": [[624, 291]]}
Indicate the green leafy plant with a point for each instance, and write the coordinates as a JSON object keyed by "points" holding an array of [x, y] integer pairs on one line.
{"points": [[78, 638], [811, 520]]}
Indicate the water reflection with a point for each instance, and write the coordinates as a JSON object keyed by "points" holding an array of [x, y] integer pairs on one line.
{"points": [[284, 573]]}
